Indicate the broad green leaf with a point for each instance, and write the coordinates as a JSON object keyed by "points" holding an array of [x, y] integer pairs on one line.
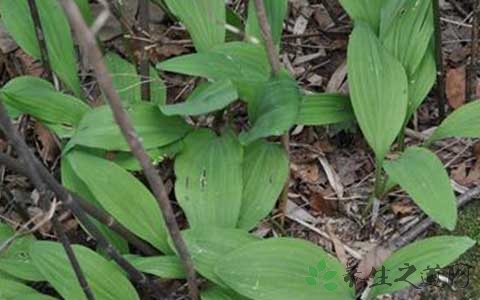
{"points": [[276, 109], [276, 12], [158, 90], [74, 184], [214, 97], [99, 130], [219, 293], [129, 162], [421, 174], [207, 245], [265, 170], [38, 98], [246, 65], [125, 78], [378, 89], [365, 11], [403, 22], [15, 259], [276, 269], [84, 7], [429, 252], [204, 20], [209, 179], [57, 34], [106, 280], [12, 290], [323, 109], [421, 82], [463, 122], [122, 195], [169, 267]]}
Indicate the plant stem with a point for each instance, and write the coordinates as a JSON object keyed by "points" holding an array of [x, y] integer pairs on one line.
{"points": [[379, 182], [274, 60], [267, 37], [92, 52], [439, 62], [94, 211], [40, 38], [472, 67], [37, 178], [144, 63], [62, 237]]}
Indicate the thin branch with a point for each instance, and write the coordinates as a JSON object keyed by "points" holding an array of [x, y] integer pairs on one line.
{"points": [[63, 195], [267, 36], [41, 38], [439, 62], [406, 238], [62, 237], [94, 211], [144, 63], [274, 59], [35, 178], [92, 52], [472, 68]]}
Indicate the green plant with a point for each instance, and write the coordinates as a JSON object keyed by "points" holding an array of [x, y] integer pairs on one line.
{"points": [[227, 182]]}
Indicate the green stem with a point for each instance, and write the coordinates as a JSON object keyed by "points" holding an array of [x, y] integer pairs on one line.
{"points": [[379, 182]]}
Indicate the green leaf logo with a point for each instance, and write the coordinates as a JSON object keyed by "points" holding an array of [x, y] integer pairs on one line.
{"points": [[330, 286], [321, 265], [311, 281], [317, 272]]}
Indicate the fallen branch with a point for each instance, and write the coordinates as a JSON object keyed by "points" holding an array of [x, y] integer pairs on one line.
{"points": [[40, 38], [93, 54], [274, 60], [41, 187], [32, 169], [439, 62], [144, 62], [409, 236], [92, 210]]}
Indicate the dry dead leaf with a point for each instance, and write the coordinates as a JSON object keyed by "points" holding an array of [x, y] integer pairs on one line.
{"points": [[320, 205], [455, 87], [47, 144], [307, 173], [322, 18], [402, 208], [332, 176], [30, 65], [337, 79], [164, 51], [338, 245], [373, 259]]}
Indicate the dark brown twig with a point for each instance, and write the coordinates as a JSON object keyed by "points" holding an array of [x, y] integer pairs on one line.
{"points": [[62, 237], [35, 178], [267, 37], [63, 195], [41, 38], [144, 61], [274, 59], [92, 210], [472, 68], [406, 238], [439, 62], [92, 52]]}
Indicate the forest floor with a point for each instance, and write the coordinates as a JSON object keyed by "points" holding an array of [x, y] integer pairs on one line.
{"points": [[332, 167]]}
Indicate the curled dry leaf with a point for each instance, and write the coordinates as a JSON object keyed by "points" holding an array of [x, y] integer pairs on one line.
{"points": [[455, 87], [373, 259], [47, 144]]}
